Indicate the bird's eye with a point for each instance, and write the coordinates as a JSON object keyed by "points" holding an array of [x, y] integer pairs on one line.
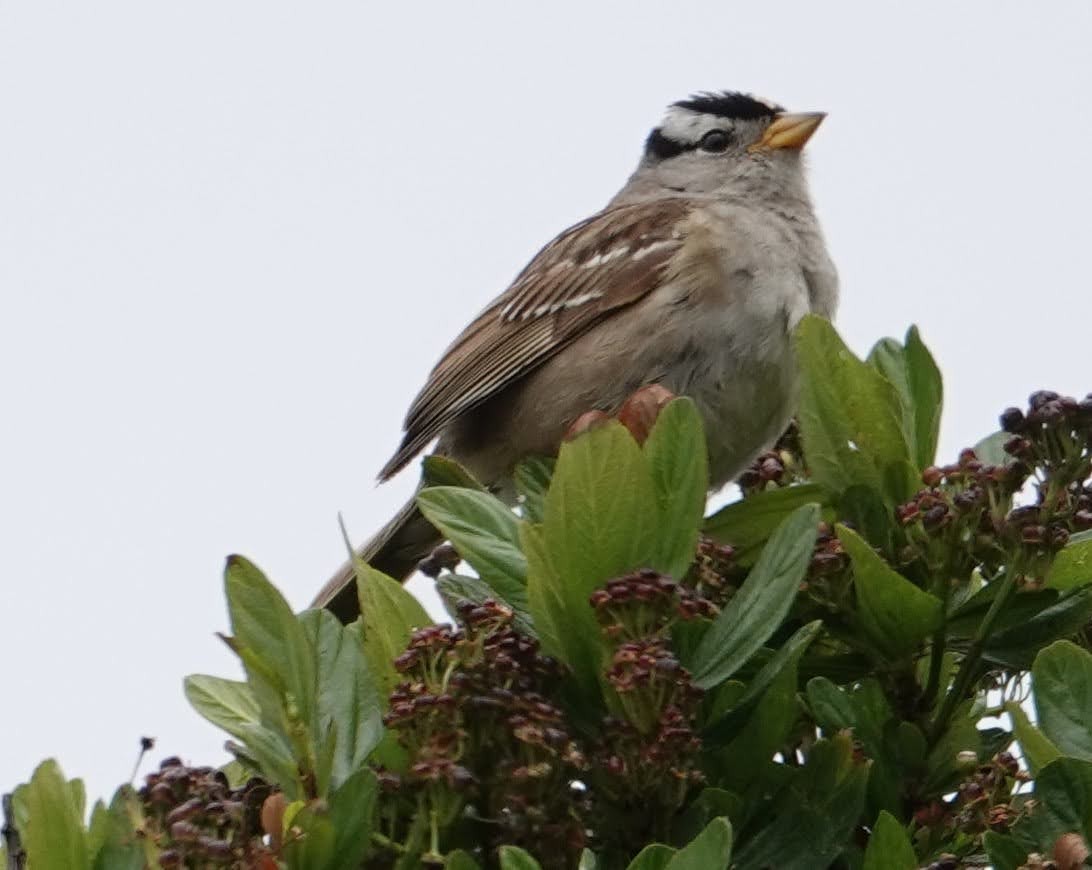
{"points": [[715, 141]]}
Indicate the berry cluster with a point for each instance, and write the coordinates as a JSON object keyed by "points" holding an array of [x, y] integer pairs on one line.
{"points": [[196, 819], [483, 741]]}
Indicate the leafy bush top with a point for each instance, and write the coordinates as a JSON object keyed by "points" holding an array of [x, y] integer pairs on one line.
{"points": [[832, 671]]}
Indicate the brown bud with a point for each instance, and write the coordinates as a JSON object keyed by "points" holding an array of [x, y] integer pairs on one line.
{"points": [[1012, 420], [932, 476], [585, 423], [639, 412], [273, 818], [1070, 851]]}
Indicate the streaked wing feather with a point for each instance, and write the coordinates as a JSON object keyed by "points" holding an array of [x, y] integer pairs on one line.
{"points": [[574, 282]]}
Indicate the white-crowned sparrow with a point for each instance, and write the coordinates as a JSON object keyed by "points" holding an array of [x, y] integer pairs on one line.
{"points": [[692, 277]]}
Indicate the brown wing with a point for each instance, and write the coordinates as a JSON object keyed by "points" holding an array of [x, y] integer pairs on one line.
{"points": [[606, 262]]}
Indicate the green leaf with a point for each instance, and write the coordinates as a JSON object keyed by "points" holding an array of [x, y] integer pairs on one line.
{"points": [[1062, 680], [515, 858], [228, 704], [897, 615], [231, 705], [1005, 852], [726, 725], [810, 821], [455, 588], [532, 478], [390, 615], [864, 509], [676, 454], [831, 706], [654, 856], [1072, 565], [600, 518], [588, 860], [850, 416], [889, 846], [352, 812], [264, 625], [460, 860], [600, 512], [113, 842], [53, 833], [710, 850], [757, 610], [1036, 747], [349, 714], [913, 373], [766, 732], [991, 449], [711, 803], [943, 767], [1018, 645], [336, 833], [747, 524], [485, 533], [546, 600], [927, 389], [1064, 790], [439, 470]]}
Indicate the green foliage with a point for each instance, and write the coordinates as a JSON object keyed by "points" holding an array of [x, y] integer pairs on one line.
{"points": [[808, 678]]}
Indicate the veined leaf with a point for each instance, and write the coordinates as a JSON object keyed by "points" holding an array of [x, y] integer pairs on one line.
{"points": [[485, 533], [1036, 747], [532, 478], [850, 415], [756, 611], [390, 615], [889, 847], [747, 524], [676, 454], [897, 615], [710, 850], [913, 373], [49, 814], [1062, 680]]}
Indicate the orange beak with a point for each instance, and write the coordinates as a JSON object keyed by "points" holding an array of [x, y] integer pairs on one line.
{"points": [[789, 131]]}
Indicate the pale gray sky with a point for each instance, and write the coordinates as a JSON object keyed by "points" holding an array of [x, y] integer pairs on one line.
{"points": [[234, 236]]}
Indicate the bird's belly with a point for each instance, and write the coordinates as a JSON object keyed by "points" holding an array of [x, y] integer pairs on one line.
{"points": [[744, 407]]}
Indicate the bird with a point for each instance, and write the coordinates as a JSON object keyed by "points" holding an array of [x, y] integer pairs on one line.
{"points": [[692, 277]]}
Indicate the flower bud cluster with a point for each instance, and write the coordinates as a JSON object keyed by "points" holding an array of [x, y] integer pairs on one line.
{"points": [[647, 755], [715, 574], [779, 467], [196, 819], [959, 519], [646, 603], [969, 505], [480, 733], [983, 802]]}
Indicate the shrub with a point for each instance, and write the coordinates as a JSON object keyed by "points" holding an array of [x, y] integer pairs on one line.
{"points": [[867, 661]]}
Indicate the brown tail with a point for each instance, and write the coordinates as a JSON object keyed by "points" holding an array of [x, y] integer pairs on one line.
{"points": [[395, 550]]}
